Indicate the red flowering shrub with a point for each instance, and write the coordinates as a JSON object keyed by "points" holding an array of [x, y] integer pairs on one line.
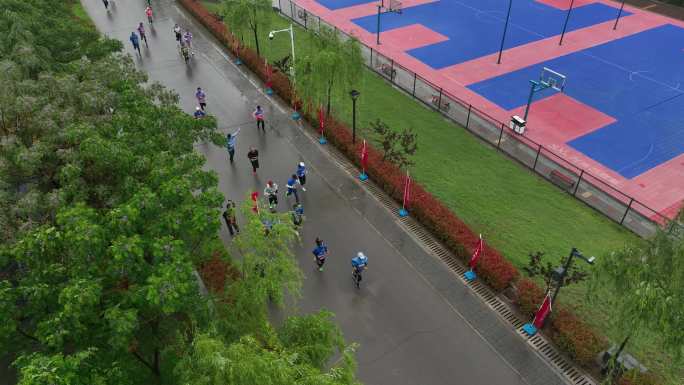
{"points": [[530, 297], [216, 272], [576, 337], [638, 378]]}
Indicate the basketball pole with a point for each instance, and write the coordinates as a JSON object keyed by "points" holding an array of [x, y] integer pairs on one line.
{"points": [[622, 6], [503, 38], [529, 99], [567, 18]]}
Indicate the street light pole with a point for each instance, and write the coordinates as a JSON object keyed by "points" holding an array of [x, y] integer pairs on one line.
{"points": [[354, 94], [622, 6], [503, 38], [291, 31], [567, 18], [573, 253]]}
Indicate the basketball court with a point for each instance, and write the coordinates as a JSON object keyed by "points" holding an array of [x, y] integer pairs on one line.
{"points": [[620, 114]]}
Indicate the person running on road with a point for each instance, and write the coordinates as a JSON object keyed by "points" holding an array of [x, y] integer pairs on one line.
{"points": [[141, 32], [271, 192], [359, 264], [199, 114], [301, 174], [292, 187], [259, 116], [201, 97], [297, 214], [253, 156], [187, 38], [136, 43], [320, 253], [177, 32], [229, 217], [148, 12], [231, 141]]}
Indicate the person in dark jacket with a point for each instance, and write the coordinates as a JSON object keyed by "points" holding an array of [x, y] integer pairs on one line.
{"points": [[231, 220], [253, 156]]}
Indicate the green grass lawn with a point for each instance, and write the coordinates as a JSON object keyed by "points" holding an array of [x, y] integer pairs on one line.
{"points": [[516, 211]]}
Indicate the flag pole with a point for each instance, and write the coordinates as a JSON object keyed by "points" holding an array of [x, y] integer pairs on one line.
{"points": [[537, 322], [477, 253], [321, 122], [364, 160], [407, 192]]}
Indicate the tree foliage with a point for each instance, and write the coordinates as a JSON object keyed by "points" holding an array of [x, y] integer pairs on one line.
{"points": [[397, 146], [536, 268], [248, 16], [332, 67]]}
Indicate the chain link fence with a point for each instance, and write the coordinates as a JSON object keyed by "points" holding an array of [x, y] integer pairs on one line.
{"points": [[575, 181]]}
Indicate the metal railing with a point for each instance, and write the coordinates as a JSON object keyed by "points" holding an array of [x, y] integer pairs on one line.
{"points": [[578, 182]]}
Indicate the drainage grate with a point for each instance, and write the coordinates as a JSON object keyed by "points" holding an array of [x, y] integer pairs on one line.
{"points": [[538, 343]]}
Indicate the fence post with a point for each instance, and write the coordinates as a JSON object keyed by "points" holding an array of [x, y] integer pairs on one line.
{"points": [[537, 157], [392, 71], [292, 14], [306, 17], [414, 85], [280, 7], [439, 100], [371, 59], [500, 135], [319, 23], [627, 211], [574, 193], [468, 118]]}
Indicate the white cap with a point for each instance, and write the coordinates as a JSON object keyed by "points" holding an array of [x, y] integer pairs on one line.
{"points": [[301, 164], [360, 255], [198, 108]]}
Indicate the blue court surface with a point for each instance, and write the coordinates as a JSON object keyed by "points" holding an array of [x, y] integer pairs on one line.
{"points": [[638, 80], [475, 27]]}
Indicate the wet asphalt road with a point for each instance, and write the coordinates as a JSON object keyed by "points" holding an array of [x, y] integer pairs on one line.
{"points": [[408, 332]]}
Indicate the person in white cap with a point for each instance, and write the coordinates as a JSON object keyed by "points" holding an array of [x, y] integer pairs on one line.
{"points": [[301, 174], [199, 114]]}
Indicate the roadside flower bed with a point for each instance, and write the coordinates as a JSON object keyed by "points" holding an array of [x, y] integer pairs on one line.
{"points": [[567, 331]]}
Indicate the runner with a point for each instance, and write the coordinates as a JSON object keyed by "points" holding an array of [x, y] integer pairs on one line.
{"points": [[187, 38], [231, 141], [199, 114], [301, 174], [297, 214], [185, 54], [259, 116], [177, 32], [136, 43], [320, 253], [141, 32], [201, 96], [148, 12], [253, 156], [359, 264], [229, 217], [106, 4], [292, 187], [271, 192]]}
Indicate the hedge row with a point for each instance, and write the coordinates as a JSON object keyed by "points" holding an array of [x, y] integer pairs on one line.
{"points": [[571, 334]]}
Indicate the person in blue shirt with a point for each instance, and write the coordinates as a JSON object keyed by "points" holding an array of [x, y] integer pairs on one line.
{"points": [[292, 187], [301, 174], [199, 114], [231, 141], [136, 42], [320, 253], [359, 264]]}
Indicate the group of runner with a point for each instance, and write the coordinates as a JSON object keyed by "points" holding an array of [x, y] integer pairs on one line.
{"points": [[183, 37]]}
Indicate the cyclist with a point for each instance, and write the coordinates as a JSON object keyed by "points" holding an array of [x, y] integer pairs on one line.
{"points": [[359, 264], [177, 31], [148, 12], [187, 38], [141, 32], [271, 192], [320, 253]]}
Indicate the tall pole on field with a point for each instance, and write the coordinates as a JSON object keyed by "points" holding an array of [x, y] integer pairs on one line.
{"points": [[503, 37], [567, 18], [622, 6]]}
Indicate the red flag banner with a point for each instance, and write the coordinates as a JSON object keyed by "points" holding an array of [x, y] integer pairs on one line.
{"points": [[477, 253], [543, 312], [407, 191], [321, 119], [269, 74], [364, 157]]}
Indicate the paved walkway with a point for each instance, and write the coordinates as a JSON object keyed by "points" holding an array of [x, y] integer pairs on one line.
{"points": [[415, 322]]}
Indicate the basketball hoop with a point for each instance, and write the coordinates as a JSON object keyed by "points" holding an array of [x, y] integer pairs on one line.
{"points": [[547, 79], [395, 6]]}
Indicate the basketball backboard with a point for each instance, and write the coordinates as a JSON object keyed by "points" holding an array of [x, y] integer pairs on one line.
{"points": [[552, 79]]}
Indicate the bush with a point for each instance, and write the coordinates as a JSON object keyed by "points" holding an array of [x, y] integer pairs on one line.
{"points": [[576, 338], [530, 297], [637, 378]]}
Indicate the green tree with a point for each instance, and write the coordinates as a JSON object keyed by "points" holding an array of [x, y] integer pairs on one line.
{"points": [[643, 289], [331, 64], [247, 15], [397, 146]]}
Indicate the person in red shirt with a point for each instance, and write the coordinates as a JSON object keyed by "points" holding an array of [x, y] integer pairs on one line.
{"points": [[259, 116]]}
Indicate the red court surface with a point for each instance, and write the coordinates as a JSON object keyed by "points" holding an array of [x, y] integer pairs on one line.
{"points": [[557, 119]]}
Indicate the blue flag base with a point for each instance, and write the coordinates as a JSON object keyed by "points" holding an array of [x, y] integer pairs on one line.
{"points": [[530, 329], [363, 177], [296, 116], [322, 140], [403, 213], [269, 92], [470, 275], [238, 61]]}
